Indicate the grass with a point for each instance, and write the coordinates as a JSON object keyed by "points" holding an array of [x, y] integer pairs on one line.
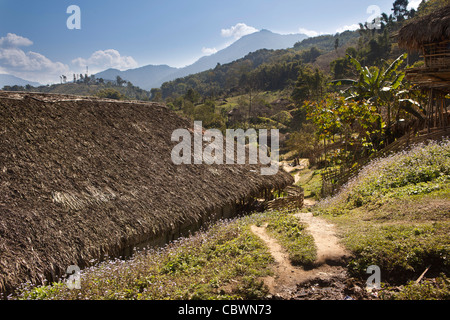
{"points": [[291, 235], [396, 215], [430, 289], [311, 182], [227, 261]]}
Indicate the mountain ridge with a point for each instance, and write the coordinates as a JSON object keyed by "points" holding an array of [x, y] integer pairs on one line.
{"points": [[153, 76], [10, 80]]}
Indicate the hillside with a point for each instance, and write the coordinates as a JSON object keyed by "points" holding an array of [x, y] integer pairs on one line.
{"points": [[395, 214], [263, 39], [92, 87], [278, 67]]}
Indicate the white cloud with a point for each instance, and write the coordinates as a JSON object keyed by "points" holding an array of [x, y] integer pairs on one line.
{"points": [[28, 65], [309, 33], [105, 59], [209, 51], [238, 31], [414, 4], [351, 27], [14, 41]]}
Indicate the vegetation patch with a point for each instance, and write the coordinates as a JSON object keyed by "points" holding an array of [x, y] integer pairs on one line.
{"points": [[430, 289], [311, 182], [291, 234], [396, 215]]}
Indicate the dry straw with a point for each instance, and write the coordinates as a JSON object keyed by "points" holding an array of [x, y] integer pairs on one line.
{"points": [[428, 29]]}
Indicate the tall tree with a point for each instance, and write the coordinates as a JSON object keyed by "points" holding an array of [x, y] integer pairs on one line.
{"points": [[400, 9]]}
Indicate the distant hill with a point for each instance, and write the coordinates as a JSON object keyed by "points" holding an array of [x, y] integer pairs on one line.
{"points": [[151, 76], [147, 77], [9, 80]]}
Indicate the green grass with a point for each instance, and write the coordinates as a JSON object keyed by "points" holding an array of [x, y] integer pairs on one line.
{"points": [[311, 182], [432, 289], [291, 235], [396, 215]]}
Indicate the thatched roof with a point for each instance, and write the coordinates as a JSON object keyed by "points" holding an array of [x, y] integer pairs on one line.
{"points": [[84, 177], [428, 29]]}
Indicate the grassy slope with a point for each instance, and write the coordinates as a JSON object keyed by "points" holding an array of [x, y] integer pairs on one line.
{"points": [[396, 214]]}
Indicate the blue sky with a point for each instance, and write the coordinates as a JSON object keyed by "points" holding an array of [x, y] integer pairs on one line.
{"points": [[36, 44]]}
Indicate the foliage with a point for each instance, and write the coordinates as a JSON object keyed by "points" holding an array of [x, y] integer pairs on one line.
{"points": [[427, 7], [305, 142], [110, 94], [430, 289], [358, 123], [310, 85]]}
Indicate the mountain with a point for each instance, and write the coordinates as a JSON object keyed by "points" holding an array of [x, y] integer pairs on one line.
{"points": [[146, 77], [151, 76], [9, 80], [263, 39]]}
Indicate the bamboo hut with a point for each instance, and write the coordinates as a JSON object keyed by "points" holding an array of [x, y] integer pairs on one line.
{"points": [[84, 178], [430, 36]]}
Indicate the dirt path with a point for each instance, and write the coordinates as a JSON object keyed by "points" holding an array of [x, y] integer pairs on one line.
{"points": [[329, 250], [284, 282], [326, 280], [304, 163]]}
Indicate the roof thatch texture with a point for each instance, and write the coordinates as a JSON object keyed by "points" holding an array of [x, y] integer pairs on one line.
{"points": [[428, 29], [84, 177]]}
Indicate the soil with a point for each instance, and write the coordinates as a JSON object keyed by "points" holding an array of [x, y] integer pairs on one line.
{"points": [[326, 280]]}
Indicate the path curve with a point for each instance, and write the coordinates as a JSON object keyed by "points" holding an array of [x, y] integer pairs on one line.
{"points": [[329, 249], [331, 257]]}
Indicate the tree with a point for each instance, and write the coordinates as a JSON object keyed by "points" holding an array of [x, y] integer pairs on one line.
{"points": [[400, 9], [120, 82], [305, 142], [156, 95], [357, 122], [377, 86], [110, 94], [192, 96], [310, 85]]}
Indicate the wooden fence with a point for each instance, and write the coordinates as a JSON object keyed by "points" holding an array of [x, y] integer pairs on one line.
{"points": [[293, 200]]}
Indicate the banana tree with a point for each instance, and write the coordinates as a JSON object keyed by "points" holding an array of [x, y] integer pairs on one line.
{"points": [[378, 86]]}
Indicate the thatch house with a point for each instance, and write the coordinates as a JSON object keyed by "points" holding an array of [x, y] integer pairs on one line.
{"points": [[82, 178], [430, 35]]}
